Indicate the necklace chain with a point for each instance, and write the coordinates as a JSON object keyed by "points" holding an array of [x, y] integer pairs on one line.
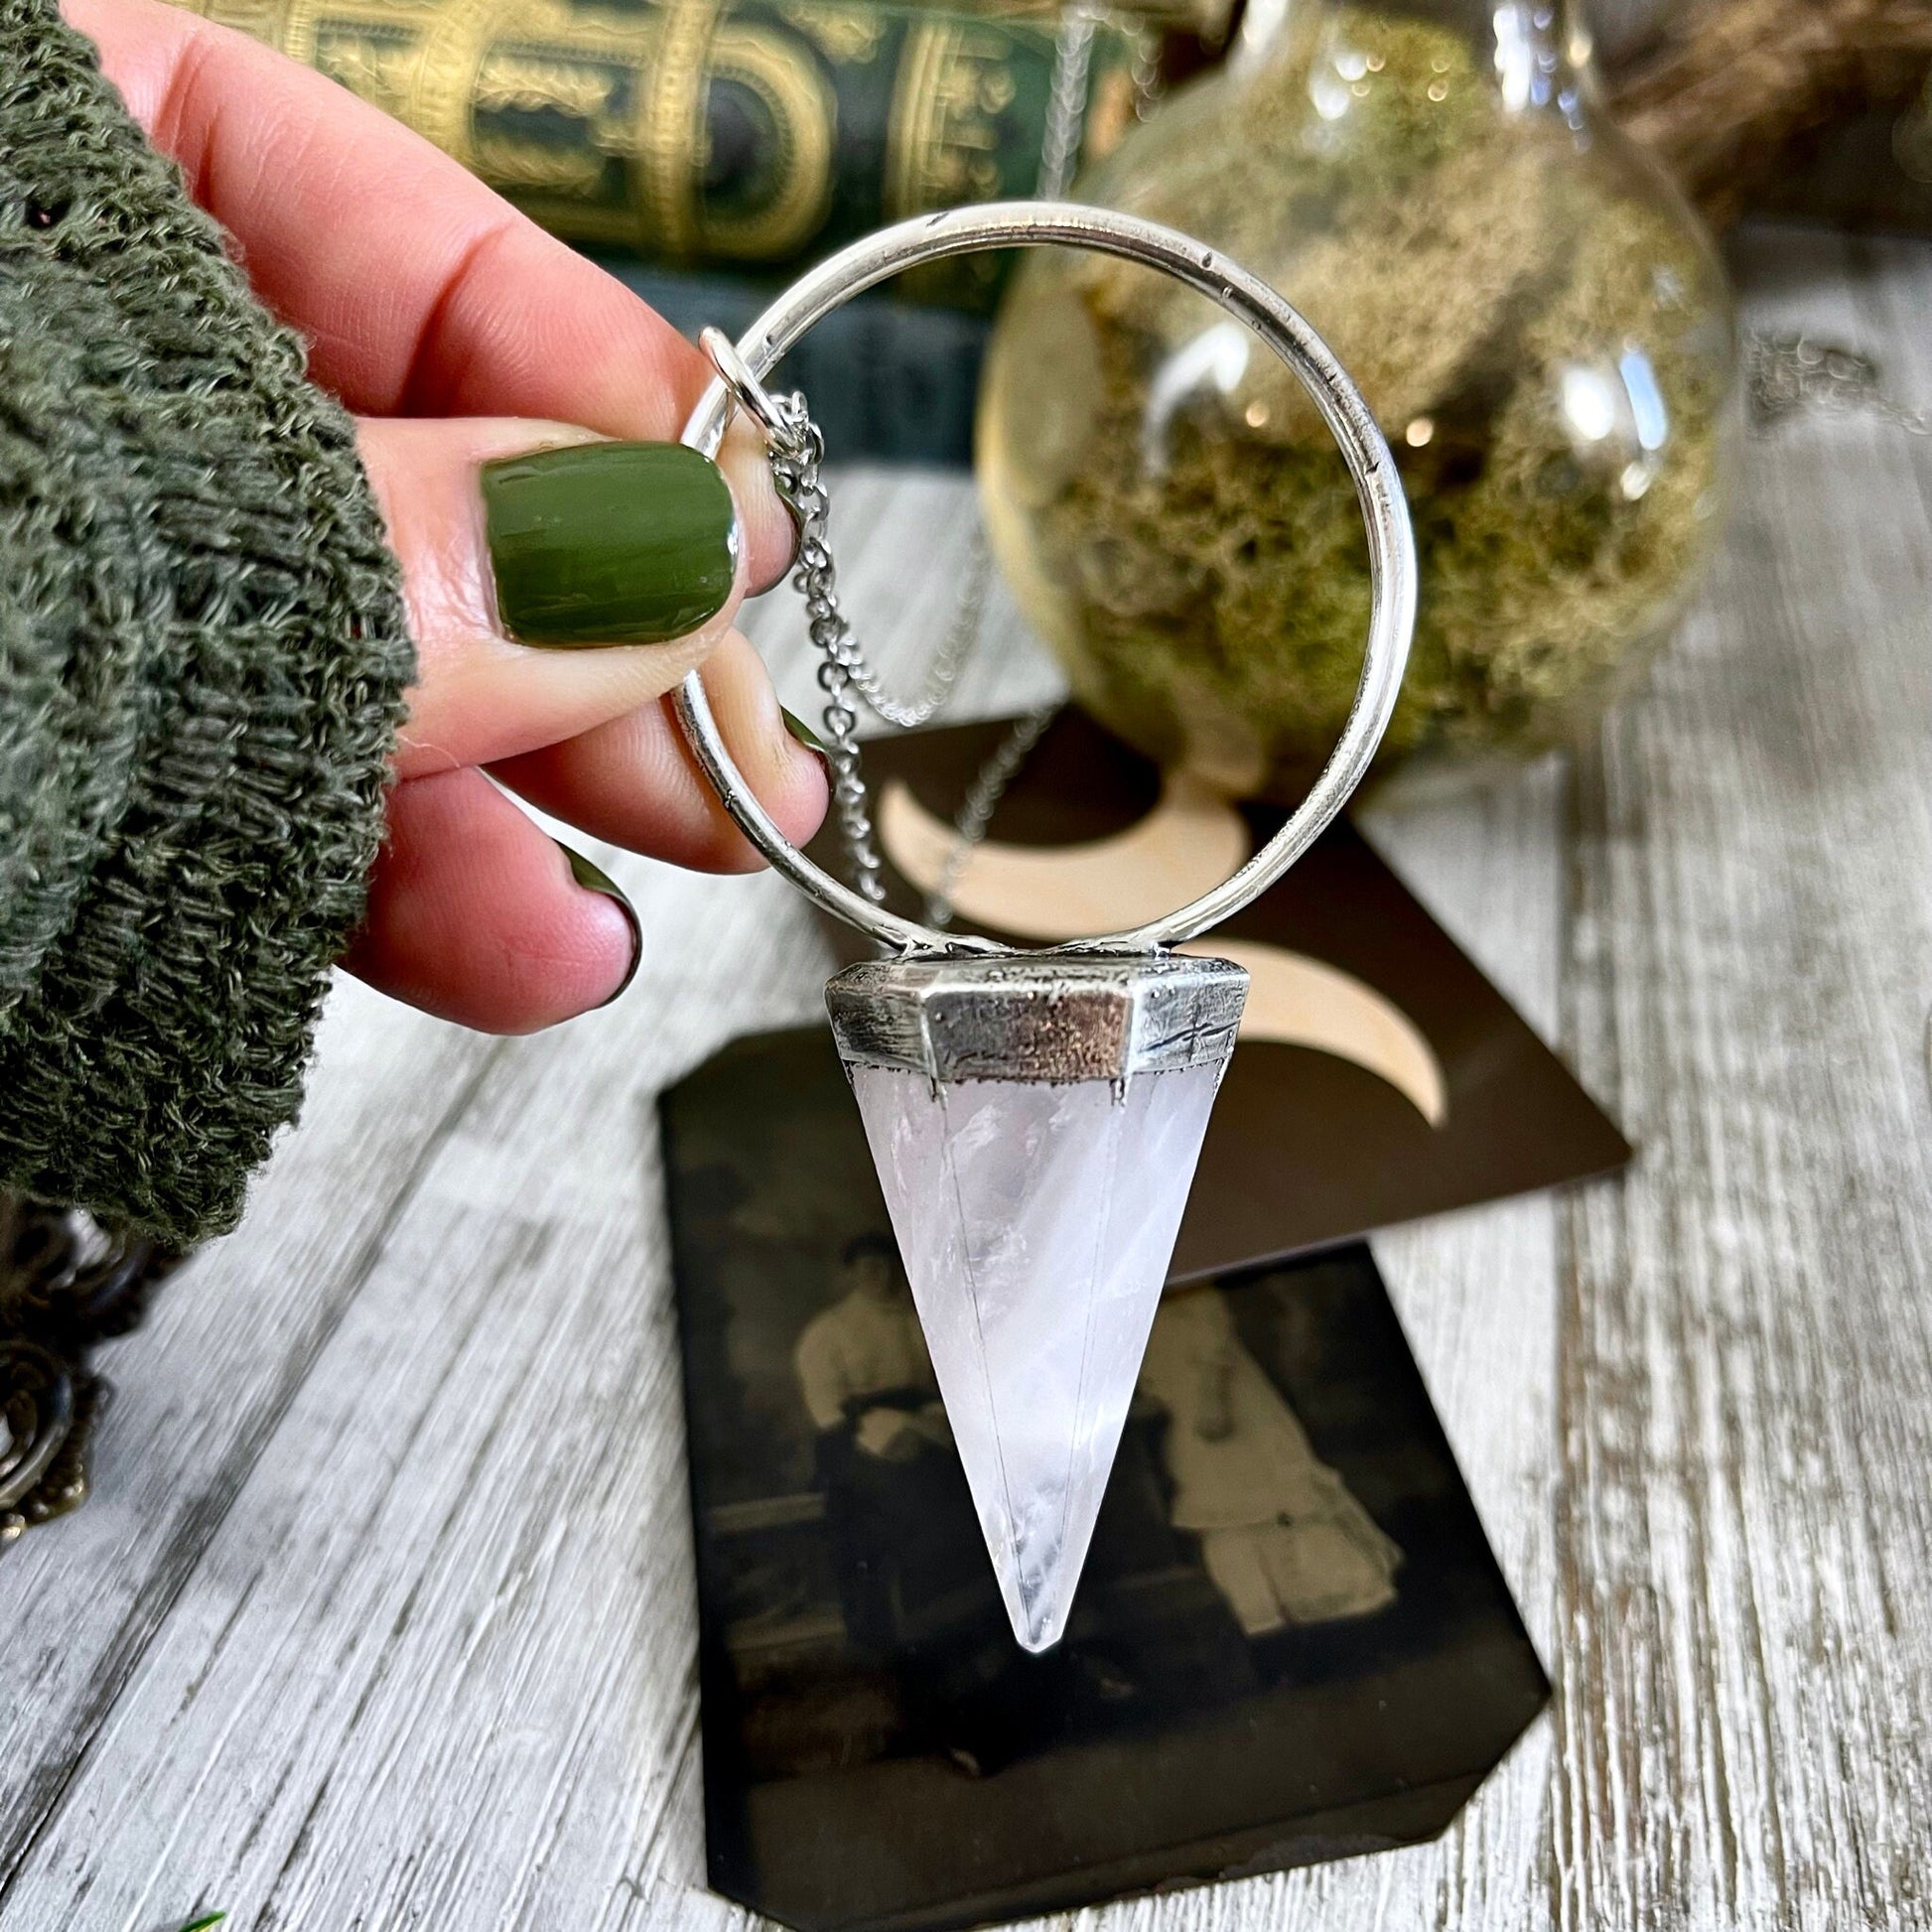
{"points": [[1786, 374], [844, 674], [795, 471], [982, 797]]}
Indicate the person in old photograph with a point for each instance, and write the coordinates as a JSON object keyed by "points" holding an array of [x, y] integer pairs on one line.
{"points": [[910, 1559], [916, 1589], [863, 1364], [897, 1503], [1281, 1537]]}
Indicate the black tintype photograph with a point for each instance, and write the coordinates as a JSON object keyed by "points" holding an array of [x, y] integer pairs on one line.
{"points": [[1290, 1641]]}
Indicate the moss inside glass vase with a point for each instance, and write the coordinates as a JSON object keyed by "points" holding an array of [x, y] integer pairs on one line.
{"points": [[1539, 327]]}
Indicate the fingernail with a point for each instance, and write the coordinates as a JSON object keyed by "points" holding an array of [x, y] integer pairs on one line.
{"points": [[609, 543], [805, 734], [593, 878]]}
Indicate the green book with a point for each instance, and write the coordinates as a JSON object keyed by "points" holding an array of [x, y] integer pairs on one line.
{"points": [[887, 382], [740, 133]]}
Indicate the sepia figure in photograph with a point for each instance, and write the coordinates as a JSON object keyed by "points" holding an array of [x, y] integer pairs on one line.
{"points": [[1281, 1537], [914, 1585], [896, 1500], [864, 1359]]}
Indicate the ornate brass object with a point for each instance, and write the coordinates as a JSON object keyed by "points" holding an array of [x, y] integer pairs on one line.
{"points": [[66, 1285]]}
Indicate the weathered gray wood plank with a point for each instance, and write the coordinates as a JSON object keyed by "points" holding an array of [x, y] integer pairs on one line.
{"points": [[207, 1386], [452, 1600], [1746, 1392], [1478, 1294]]}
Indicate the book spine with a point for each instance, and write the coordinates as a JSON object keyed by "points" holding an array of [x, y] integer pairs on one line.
{"points": [[727, 132], [887, 382]]}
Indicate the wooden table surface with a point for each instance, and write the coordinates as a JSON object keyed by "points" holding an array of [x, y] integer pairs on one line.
{"points": [[382, 1615]]}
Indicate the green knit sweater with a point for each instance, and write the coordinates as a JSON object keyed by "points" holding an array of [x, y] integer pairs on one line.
{"points": [[202, 661]]}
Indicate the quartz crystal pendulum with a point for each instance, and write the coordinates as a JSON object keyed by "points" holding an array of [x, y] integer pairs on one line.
{"points": [[1036, 1117], [1035, 1123]]}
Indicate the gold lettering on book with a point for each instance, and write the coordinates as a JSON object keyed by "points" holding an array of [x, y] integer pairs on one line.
{"points": [[576, 94], [804, 121], [944, 138], [928, 47], [600, 120], [451, 54], [514, 82], [368, 61], [849, 35], [262, 20], [670, 134], [996, 90]]}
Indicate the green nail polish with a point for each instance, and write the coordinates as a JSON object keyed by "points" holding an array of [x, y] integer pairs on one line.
{"points": [[805, 734], [609, 543], [593, 878]]}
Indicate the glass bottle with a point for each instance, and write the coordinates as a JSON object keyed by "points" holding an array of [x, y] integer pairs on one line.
{"points": [[1538, 321]]}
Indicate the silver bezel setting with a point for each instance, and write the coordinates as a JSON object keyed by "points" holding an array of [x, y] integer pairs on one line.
{"points": [[1047, 1018]]}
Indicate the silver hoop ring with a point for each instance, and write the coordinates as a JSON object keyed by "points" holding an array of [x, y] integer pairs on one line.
{"points": [[1378, 490]]}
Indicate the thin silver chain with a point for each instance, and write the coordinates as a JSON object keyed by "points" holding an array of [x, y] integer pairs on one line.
{"points": [[1788, 374], [1058, 155], [795, 471], [962, 637], [844, 674], [1066, 101], [982, 797]]}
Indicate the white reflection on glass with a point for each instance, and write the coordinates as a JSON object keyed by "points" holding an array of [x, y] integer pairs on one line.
{"points": [[1646, 398], [1649, 416], [1515, 55], [1624, 403], [1329, 95], [1217, 355], [1588, 404]]}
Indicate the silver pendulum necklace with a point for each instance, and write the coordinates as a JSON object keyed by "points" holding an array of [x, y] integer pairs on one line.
{"points": [[1035, 1116]]}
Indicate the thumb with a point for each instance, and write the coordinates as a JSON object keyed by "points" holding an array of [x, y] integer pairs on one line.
{"points": [[555, 579]]}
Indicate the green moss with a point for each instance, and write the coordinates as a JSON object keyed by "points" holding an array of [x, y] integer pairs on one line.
{"points": [[1207, 584]]}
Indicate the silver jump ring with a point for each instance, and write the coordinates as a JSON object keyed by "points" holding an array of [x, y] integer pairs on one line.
{"points": [[750, 394], [1378, 491]]}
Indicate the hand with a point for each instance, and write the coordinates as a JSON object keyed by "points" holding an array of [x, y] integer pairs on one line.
{"points": [[460, 333], [1214, 1421]]}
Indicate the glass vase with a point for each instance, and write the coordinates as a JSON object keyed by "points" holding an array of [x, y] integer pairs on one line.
{"points": [[1536, 317]]}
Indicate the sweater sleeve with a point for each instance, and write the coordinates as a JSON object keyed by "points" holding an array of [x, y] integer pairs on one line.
{"points": [[202, 656]]}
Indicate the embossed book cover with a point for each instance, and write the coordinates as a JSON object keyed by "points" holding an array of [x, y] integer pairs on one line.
{"points": [[740, 131]]}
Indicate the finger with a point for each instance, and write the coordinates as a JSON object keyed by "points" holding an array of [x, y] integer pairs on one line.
{"points": [[475, 914], [479, 695], [634, 782], [421, 292]]}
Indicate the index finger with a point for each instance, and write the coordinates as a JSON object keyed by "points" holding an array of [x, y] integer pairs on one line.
{"points": [[421, 292]]}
